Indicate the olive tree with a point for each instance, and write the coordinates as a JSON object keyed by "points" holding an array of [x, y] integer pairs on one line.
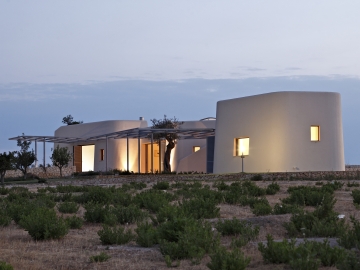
{"points": [[170, 137], [6, 163], [61, 157], [24, 158]]}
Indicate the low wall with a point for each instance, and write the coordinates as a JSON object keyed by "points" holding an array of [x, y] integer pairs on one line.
{"points": [[51, 172]]}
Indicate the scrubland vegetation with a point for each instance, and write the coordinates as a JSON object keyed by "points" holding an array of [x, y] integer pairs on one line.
{"points": [[188, 224]]}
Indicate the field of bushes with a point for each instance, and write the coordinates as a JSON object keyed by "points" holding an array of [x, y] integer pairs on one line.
{"points": [[185, 225]]}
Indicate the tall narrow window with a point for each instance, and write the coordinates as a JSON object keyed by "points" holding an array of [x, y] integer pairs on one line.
{"points": [[102, 154], [242, 146], [196, 148], [315, 133]]}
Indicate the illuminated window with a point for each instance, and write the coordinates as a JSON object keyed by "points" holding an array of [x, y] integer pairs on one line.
{"points": [[102, 154], [242, 146], [196, 148], [315, 133]]}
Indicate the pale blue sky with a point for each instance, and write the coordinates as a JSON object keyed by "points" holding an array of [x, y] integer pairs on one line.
{"points": [[101, 60]]}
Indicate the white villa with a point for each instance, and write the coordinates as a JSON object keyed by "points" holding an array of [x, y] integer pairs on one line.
{"points": [[274, 132]]}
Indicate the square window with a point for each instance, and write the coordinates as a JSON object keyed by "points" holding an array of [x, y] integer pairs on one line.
{"points": [[315, 133], [196, 148], [242, 146], [102, 154]]}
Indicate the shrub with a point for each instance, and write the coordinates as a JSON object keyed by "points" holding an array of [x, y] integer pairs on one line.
{"points": [[356, 196], [74, 222], [146, 235], [276, 252], [351, 238], [242, 229], [96, 213], [350, 262], [4, 190], [252, 189], [5, 266], [221, 186], [115, 235], [353, 184], [280, 209], [43, 224], [186, 238], [200, 208], [130, 214], [256, 177], [161, 186], [68, 189], [272, 189], [133, 185], [262, 209], [153, 200], [68, 207], [309, 196], [228, 260], [98, 195], [102, 257]]}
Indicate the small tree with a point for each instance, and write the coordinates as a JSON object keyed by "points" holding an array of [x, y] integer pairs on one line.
{"points": [[60, 157], [166, 123], [69, 120], [6, 163], [24, 158]]}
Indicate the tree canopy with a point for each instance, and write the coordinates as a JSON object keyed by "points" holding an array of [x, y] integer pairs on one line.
{"points": [[24, 158], [69, 120], [61, 157], [6, 163]]}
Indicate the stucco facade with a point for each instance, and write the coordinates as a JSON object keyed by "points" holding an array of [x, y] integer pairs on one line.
{"points": [[278, 128]]}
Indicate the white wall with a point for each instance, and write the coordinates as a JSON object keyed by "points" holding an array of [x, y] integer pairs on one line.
{"points": [[278, 125]]}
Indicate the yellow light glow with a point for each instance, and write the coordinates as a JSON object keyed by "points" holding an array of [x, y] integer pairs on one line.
{"points": [[242, 146], [315, 133], [196, 148]]}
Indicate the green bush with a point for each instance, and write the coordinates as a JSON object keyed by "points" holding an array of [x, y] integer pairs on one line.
{"points": [[146, 235], [262, 209], [252, 189], [200, 208], [43, 224], [74, 222], [221, 186], [102, 257], [323, 222], [350, 262], [228, 260], [243, 231], [309, 196], [133, 185], [272, 189], [356, 196], [276, 252], [280, 209], [68, 207], [257, 177], [68, 189], [350, 238], [4, 190], [98, 195], [115, 235], [186, 238], [5, 266], [130, 214], [153, 200], [161, 186], [353, 184], [96, 212]]}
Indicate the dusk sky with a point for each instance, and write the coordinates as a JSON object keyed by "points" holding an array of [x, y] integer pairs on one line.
{"points": [[107, 60]]}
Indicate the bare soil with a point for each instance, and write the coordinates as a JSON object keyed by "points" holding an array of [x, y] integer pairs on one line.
{"points": [[75, 249]]}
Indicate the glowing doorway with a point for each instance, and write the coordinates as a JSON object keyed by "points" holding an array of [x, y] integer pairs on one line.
{"points": [[88, 155]]}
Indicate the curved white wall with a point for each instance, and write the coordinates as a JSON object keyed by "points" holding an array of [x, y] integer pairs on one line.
{"points": [[278, 125]]}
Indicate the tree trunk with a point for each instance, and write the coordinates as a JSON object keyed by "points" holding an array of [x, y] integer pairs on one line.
{"points": [[60, 171], [169, 147], [2, 174]]}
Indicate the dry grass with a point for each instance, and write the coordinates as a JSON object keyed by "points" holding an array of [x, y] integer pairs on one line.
{"points": [[75, 249]]}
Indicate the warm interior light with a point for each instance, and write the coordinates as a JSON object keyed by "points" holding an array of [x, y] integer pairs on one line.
{"points": [[315, 133], [88, 153], [196, 148], [242, 146]]}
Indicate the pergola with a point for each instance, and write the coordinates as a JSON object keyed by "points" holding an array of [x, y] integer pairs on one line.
{"points": [[135, 133]]}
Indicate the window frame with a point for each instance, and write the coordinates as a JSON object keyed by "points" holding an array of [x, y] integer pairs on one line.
{"points": [[236, 146], [317, 135]]}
